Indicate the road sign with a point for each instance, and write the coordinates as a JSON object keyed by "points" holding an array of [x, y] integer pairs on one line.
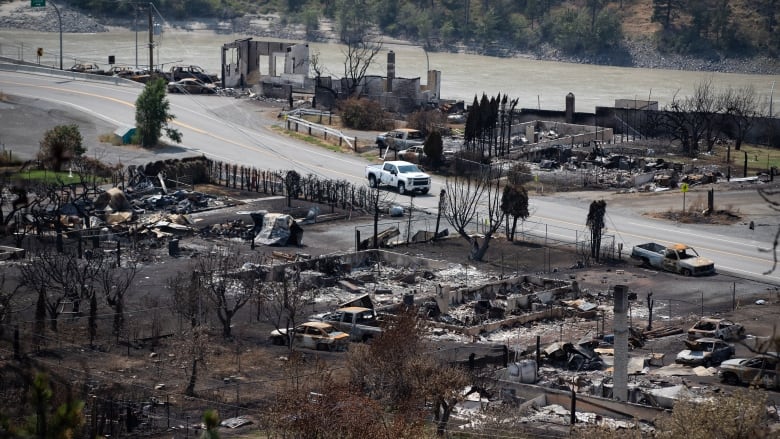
{"points": [[684, 187], [39, 51], [38, 3]]}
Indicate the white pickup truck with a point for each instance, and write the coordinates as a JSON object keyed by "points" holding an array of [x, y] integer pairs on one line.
{"points": [[405, 176], [679, 258]]}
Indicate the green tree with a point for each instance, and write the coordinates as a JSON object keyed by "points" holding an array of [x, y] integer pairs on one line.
{"points": [[666, 11], [152, 114], [514, 203], [608, 31], [61, 144], [595, 7], [211, 422], [569, 30], [433, 147], [595, 221], [49, 422]]}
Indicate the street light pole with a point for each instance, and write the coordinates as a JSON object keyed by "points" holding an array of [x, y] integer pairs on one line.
{"points": [[42, 4], [59, 18]]}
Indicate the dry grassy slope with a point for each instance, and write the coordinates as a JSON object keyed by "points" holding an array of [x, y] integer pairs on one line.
{"points": [[637, 16]]}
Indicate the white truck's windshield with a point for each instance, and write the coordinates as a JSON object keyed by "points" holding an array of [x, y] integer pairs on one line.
{"points": [[408, 168]]}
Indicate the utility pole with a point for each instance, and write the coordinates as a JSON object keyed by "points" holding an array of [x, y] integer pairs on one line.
{"points": [[135, 25], [151, 40]]}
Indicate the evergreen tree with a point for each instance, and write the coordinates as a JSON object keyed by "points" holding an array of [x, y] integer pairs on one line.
{"points": [[152, 114], [595, 221]]}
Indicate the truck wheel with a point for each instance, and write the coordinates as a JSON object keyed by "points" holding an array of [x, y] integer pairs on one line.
{"points": [[401, 188], [372, 180], [277, 341], [645, 262], [685, 272], [322, 347], [424, 191]]}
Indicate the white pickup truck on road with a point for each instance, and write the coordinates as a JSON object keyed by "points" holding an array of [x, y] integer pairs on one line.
{"points": [[679, 258], [405, 176]]}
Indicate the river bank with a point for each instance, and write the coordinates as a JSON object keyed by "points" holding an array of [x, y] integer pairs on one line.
{"points": [[638, 53]]}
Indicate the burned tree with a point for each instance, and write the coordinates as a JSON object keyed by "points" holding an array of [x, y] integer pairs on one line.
{"points": [[47, 274], [195, 344], [359, 54], [465, 197], [595, 222], [187, 298], [741, 108], [7, 295], [690, 119], [115, 282], [282, 302], [488, 125], [398, 370], [377, 203], [768, 195], [224, 283]]}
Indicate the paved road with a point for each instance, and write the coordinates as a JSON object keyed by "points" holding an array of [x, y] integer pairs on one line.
{"points": [[221, 128]]}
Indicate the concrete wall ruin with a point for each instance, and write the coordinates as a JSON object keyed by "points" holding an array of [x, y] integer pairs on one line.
{"points": [[242, 62]]}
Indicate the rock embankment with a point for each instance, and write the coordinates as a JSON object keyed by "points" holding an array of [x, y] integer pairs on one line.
{"points": [[640, 53], [46, 20]]}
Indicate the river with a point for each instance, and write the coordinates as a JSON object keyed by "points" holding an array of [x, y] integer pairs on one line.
{"points": [[537, 84]]}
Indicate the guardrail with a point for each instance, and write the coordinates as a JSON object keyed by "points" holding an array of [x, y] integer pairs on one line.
{"points": [[75, 76], [351, 141], [308, 112]]}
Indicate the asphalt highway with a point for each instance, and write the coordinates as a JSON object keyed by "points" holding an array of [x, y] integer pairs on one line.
{"points": [[220, 128]]}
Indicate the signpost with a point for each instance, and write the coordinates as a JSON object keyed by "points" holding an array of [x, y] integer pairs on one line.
{"points": [[42, 4], [684, 189]]}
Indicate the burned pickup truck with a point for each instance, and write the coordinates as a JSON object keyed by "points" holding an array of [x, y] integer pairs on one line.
{"points": [[679, 258], [362, 324]]}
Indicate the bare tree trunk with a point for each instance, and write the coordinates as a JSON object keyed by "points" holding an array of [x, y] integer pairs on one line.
{"points": [[40, 318], [190, 391], [92, 319]]}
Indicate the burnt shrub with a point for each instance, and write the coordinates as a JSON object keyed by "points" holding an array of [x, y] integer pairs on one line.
{"points": [[362, 114]]}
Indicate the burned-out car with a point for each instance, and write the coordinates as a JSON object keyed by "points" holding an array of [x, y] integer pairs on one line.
{"points": [[761, 370], [723, 329], [313, 335], [705, 352]]}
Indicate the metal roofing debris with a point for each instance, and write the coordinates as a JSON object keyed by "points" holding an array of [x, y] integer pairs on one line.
{"points": [[236, 422]]}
